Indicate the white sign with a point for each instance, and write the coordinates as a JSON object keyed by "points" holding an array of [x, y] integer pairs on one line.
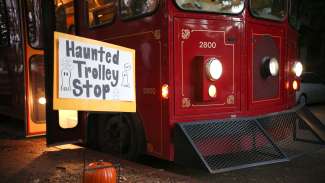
{"points": [[88, 71]]}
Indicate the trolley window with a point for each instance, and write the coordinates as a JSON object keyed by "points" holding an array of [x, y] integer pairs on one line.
{"points": [[269, 9], [294, 14], [135, 8], [101, 12], [36, 90], [15, 34], [64, 16], [216, 6], [4, 29], [35, 33]]}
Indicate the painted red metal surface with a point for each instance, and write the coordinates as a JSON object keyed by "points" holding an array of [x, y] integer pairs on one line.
{"points": [[292, 57], [168, 47], [191, 36], [264, 41]]}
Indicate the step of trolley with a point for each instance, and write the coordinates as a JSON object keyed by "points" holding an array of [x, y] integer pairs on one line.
{"points": [[224, 145]]}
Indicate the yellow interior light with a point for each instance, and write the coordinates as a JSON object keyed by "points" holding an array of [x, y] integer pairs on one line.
{"points": [[42, 100]]}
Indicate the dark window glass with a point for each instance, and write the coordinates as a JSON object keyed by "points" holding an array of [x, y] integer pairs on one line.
{"points": [[15, 38], [101, 12], [217, 6], [64, 14], [36, 90], [34, 24], [4, 29], [135, 8], [294, 14], [269, 9]]}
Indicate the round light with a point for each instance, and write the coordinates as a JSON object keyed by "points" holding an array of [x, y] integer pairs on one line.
{"points": [[269, 67], [298, 68], [295, 85], [212, 91], [42, 100], [274, 67], [214, 69], [164, 91]]}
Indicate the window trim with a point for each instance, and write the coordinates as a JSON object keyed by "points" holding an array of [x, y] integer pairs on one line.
{"points": [[140, 15], [211, 12], [269, 19]]}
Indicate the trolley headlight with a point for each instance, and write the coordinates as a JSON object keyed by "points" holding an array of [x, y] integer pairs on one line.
{"points": [[274, 67], [298, 68], [270, 67], [214, 69]]}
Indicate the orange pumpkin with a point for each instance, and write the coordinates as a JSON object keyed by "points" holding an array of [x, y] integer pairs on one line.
{"points": [[100, 172]]}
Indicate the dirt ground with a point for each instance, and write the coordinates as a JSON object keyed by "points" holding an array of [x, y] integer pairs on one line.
{"points": [[29, 160]]}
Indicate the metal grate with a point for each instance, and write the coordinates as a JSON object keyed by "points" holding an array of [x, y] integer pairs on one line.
{"points": [[290, 134], [234, 144]]}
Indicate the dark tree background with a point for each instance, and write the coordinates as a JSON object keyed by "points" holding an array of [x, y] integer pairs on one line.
{"points": [[310, 21]]}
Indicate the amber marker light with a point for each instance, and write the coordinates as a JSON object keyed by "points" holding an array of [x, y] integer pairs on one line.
{"points": [[212, 91], [295, 85], [42, 100], [287, 85], [164, 91]]}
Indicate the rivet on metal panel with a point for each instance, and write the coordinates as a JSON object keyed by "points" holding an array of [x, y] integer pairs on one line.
{"points": [[186, 102], [231, 39], [231, 99], [157, 34], [186, 33]]}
